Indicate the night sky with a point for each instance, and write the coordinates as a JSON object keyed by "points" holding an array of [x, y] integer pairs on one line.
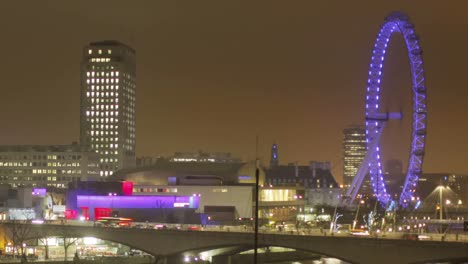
{"points": [[211, 75]]}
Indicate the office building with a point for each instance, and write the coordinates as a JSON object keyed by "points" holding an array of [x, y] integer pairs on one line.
{"points": [[108, 93], [354, 151], [47, 166]]}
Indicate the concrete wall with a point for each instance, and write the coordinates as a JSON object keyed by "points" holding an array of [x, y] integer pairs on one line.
{"points": [[241, 197]]}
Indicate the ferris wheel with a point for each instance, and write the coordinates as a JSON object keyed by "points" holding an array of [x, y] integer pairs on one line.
{"points": [[375, 119]]}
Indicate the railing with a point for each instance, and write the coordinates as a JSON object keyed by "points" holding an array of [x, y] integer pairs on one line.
{"points": [[441, 237]]}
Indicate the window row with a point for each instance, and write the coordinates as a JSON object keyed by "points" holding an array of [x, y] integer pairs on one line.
{"points": [[99, 51], [102, 80]]}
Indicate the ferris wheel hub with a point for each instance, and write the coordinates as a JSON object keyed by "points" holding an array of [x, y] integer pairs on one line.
{"points": [[384, 116]]}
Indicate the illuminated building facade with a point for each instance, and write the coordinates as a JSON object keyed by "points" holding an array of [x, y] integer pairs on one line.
{"points": [[46, 166], [354, 151], [281, 204], [108, 87], [226, 202]]}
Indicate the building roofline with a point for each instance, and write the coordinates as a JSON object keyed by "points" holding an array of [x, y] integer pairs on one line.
{"points": [[110, 43], [45, 148]]}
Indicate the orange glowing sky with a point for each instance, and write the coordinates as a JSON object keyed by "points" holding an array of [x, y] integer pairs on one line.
{"points": [[212, 75]]}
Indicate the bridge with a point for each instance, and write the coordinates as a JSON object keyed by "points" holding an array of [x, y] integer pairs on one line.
{"points": [[166, 244]]}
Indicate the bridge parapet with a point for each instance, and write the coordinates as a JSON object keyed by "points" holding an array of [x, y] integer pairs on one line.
{"points": [[350, 249]]}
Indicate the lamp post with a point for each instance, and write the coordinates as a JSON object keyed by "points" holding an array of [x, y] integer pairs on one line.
{"points": [[341, 199], [257, 179], [357, 213], [332, 222], [440, 202]]}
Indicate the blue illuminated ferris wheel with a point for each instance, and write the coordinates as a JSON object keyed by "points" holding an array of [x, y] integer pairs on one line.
{"points": [[376, 119]]}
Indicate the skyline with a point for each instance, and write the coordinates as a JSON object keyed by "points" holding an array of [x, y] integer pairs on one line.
{"points": [[216, 86]]}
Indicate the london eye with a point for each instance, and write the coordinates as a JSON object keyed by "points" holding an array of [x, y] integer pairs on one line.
{"points": [[375, 118]]}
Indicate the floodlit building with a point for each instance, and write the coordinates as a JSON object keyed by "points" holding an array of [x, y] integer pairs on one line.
{"points": [[354, 151], [46, 166], [224, 191], [168, 204], [220, 203], [108, 97], [281, 204]]}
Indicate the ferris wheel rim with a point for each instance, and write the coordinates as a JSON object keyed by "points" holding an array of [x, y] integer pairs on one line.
{"points": [[397, 22]]}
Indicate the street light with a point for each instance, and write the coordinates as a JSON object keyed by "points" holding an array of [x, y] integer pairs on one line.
{"points": [[341, 199], [357, 213], [458, 204]]}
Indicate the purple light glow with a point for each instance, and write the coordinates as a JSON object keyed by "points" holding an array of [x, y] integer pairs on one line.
{"points": [[136, 201], [40, 192]]}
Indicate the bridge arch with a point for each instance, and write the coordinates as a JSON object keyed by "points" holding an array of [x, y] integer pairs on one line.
{"points": [[233, 249]]}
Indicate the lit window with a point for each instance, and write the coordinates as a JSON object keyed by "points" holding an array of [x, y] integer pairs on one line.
{"points": [[100, 51], [90, 51]]}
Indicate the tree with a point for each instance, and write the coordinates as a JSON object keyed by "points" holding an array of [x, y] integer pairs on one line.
{"points": [[19, 232], [44, 235], [67, 242], [69, 238]]}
